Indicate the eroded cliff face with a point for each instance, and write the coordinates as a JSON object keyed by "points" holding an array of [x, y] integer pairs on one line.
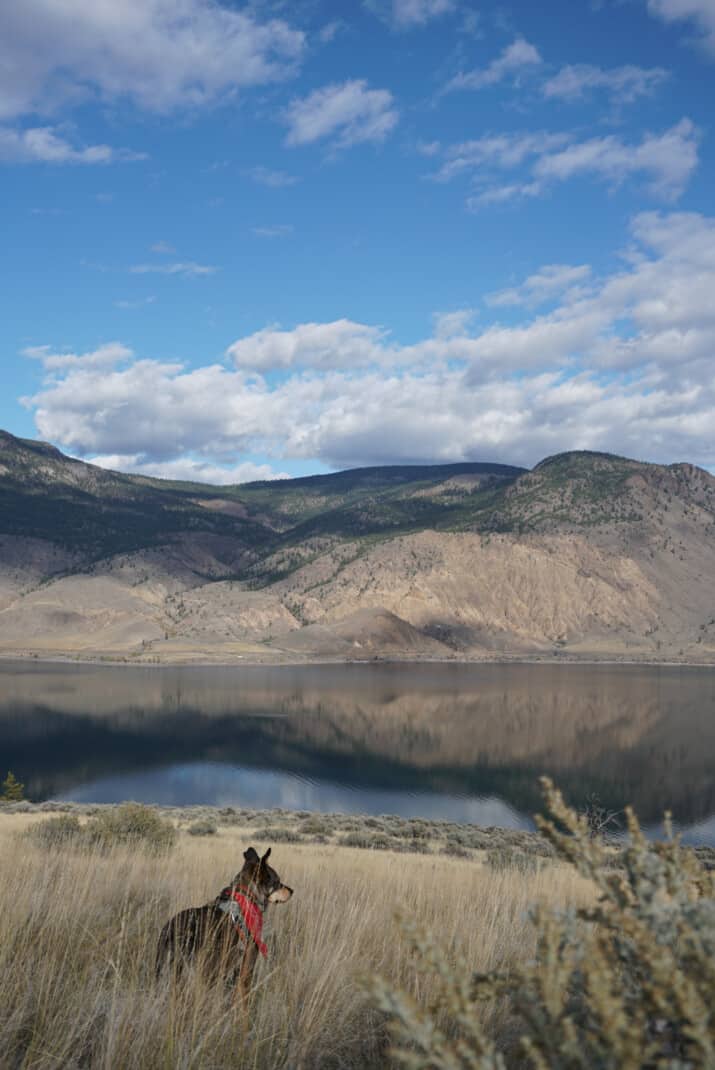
{"points": [[587, 555]]}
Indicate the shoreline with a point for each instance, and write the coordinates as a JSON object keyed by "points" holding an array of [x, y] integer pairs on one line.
{"points": [[203, 661]]}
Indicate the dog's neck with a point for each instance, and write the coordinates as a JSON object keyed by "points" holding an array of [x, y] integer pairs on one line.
{"points": [[251, 890]]}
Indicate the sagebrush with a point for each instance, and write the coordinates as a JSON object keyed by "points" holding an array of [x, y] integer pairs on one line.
{"points": [[625, 984], [131, 825]]}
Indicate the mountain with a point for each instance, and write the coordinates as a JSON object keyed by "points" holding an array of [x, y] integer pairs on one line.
{"points": [[587, 554]]}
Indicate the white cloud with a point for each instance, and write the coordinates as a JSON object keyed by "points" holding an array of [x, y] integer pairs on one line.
{"points": [[187, 268], [163, 248], [330, 31], [428, 148], [503, 151], [701, 12], [409, 13], [668, 160], [348, 111], [625, 84], [452, 324], [274, 230], [109, 355], [549, 282], [501, 194], [140, 302], [342, 344], [665, 160], [621, 363], [264, 176], [188, 469], [516, 58], [159, 55], [44, 144]]}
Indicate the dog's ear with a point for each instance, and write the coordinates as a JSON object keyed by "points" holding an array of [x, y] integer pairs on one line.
{"points": [[266, 857], [251, 855]]}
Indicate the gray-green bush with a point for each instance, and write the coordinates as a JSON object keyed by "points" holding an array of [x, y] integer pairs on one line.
{"points": [[626, 984], [59, 831], [132, 824], [202, 828]]}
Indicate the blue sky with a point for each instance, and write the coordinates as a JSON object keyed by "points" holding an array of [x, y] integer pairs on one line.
{"points": [[284, 238]]}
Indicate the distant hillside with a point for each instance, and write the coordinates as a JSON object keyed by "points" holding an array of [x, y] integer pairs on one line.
{"points": [[588, 554]]}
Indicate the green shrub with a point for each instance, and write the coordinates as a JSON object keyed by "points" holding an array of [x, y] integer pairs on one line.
{"points": [[455, 849], [627, 984], [202, 828], [130, 824], [61, 831], [416, 830], [315, 825], [370, 840], [277, 834]]}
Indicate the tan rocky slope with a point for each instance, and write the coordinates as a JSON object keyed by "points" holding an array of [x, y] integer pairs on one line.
{"points": [[586, 555]]}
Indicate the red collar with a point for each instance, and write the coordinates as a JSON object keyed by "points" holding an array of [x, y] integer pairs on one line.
{"points": [[252, 918]]}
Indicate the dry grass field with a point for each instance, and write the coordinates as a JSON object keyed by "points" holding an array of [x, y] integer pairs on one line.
{"points": [[78, 929]]}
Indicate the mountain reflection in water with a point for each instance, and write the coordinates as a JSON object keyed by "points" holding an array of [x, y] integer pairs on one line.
{"points": [[464, 742]]}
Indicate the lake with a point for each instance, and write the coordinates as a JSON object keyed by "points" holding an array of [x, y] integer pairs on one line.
{"points": [[460, 742]]}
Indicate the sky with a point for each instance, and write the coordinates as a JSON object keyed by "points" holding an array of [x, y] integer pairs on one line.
{"points": [[246, 241]]}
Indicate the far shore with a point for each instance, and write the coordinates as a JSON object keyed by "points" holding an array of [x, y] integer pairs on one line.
{"points": [[276, 658]]}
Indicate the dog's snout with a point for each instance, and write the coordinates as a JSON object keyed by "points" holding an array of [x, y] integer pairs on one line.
{"points": [[281, 895]]}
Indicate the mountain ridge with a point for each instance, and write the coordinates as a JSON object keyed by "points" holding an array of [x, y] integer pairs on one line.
{"points": [[586, 555]]}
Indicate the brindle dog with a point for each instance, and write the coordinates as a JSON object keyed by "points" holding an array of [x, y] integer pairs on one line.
{"points": [[224, 937]]}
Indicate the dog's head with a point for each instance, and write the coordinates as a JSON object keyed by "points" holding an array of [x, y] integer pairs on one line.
{"points": [[263, 877]]}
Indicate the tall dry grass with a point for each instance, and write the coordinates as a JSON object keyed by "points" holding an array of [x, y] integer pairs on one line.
{"points": [[78, 931]]}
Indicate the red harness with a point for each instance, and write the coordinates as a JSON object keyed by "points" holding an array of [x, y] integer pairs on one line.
{"points": [[251, 917]]}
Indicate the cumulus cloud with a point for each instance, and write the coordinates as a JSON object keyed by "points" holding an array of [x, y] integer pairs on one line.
{"points": [[45, 144], [621, 363], [700, 12], [516, 58], [666, 161], [316, 345], [624, 83], [188, 469], [161, 56], [350, 112]]}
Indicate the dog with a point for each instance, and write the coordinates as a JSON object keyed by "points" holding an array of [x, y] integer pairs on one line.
{"points": [[224, 937]]}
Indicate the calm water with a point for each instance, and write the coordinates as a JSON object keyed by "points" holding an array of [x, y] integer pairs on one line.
{"points": [[460, 742]]}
